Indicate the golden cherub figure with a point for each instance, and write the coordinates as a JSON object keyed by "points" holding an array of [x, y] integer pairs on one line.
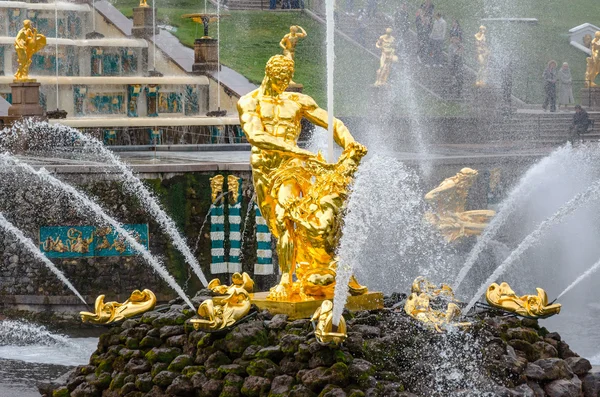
{"points": [[285, 174], [290, 40], [593, 62], [27, 43], [533, 306], [387, 45], [449, 200]]}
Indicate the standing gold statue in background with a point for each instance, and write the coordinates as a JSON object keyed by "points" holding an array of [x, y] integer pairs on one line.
{"points": [[301, 213], [449, 200], [143, 3], [290, 40], [593, 62], [387, 45], [483, 55], [27, 43]]}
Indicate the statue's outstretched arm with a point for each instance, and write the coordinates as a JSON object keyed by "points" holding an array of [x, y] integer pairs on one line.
{"points": [[303, 34], [318, 116], [257, 136]]}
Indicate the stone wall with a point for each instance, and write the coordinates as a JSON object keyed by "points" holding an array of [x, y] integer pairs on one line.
{"points": [[30, 205]]}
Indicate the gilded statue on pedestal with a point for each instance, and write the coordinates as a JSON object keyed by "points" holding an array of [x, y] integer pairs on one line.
{"points": [[449, 200], [593, 62], [27, 43], [224, 311], [300, 195], [204, 19], [387, 45], [290, 40], [483, 55], [143, 3], [419, 305], [322, 322], [139, 302], [532, 306]]}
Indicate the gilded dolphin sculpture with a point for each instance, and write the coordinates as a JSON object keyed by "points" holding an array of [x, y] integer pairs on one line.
{"points": [[139, 302], [534, 306]]}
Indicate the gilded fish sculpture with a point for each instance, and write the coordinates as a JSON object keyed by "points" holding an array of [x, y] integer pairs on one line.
{"points": [[300, 195], [419, 306], [448, 202], [325, 331], [109, 312], [532, 306]]}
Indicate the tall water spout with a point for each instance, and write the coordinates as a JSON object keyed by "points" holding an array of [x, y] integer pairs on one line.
{"points": [[534, 177], [35, 250], [84, 200], [60, 135], [592, 193], [330, 4]]}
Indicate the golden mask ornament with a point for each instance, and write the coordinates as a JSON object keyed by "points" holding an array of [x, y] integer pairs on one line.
{"points": [[448, 202], [299, 194], [233, 187], [533, 306], [27, 43], [216, 187], [418, 305], [325, 331], [109, 312]]}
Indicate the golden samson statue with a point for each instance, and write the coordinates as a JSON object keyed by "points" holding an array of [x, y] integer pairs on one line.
{"points": [[448, 202], [533, 306], [27, 43], [300, 195], [139, 302]]}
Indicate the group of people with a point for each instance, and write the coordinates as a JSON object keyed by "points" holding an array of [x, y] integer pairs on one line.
{"points": [[286, 4], [560, 79]]}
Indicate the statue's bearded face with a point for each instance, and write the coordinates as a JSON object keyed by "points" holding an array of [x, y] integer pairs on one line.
{"points": [[279, 71]]}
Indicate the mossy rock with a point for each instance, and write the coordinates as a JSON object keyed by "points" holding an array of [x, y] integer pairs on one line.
{"points": [[189, 371], [232, 369], [150, 342], [157, 368], [103, 381], [180, 362], [61, 392], [162, 354], [263, 367], [143, 382], [118, 381]]}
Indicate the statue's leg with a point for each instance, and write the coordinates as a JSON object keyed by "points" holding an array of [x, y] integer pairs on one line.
{"points": [[286, 244]]}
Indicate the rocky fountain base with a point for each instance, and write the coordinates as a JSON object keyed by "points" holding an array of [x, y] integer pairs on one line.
{"points": [[387, 353]]}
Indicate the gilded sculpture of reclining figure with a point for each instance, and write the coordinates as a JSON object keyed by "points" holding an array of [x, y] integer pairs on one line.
{"points": [[139, 302], [449, 200], [418, 305], [322, 322], [533, 306], [224, 311]]}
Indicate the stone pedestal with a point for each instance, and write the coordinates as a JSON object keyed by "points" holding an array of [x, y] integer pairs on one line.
{"points": [[295, 87], [305, 309], [142, 23], [206, 55], [590, 97], [26, 100]]}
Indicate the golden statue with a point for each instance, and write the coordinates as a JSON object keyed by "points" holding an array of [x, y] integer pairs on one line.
{"points": [[593, 62], [224, 311], [300, 195], [205, 19], [483, 55], [139, 302], [533, 306], [418, 305], [27, 43], [290, 40], [449, 200], [239, 280], [322, 322], [387, 45], [216, 187], [143, 3]]}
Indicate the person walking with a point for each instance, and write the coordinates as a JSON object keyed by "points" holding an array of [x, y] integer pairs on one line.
{"points": [[456, 30], [437, 36], [550, 79], [565, 93], [422, 39]]}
